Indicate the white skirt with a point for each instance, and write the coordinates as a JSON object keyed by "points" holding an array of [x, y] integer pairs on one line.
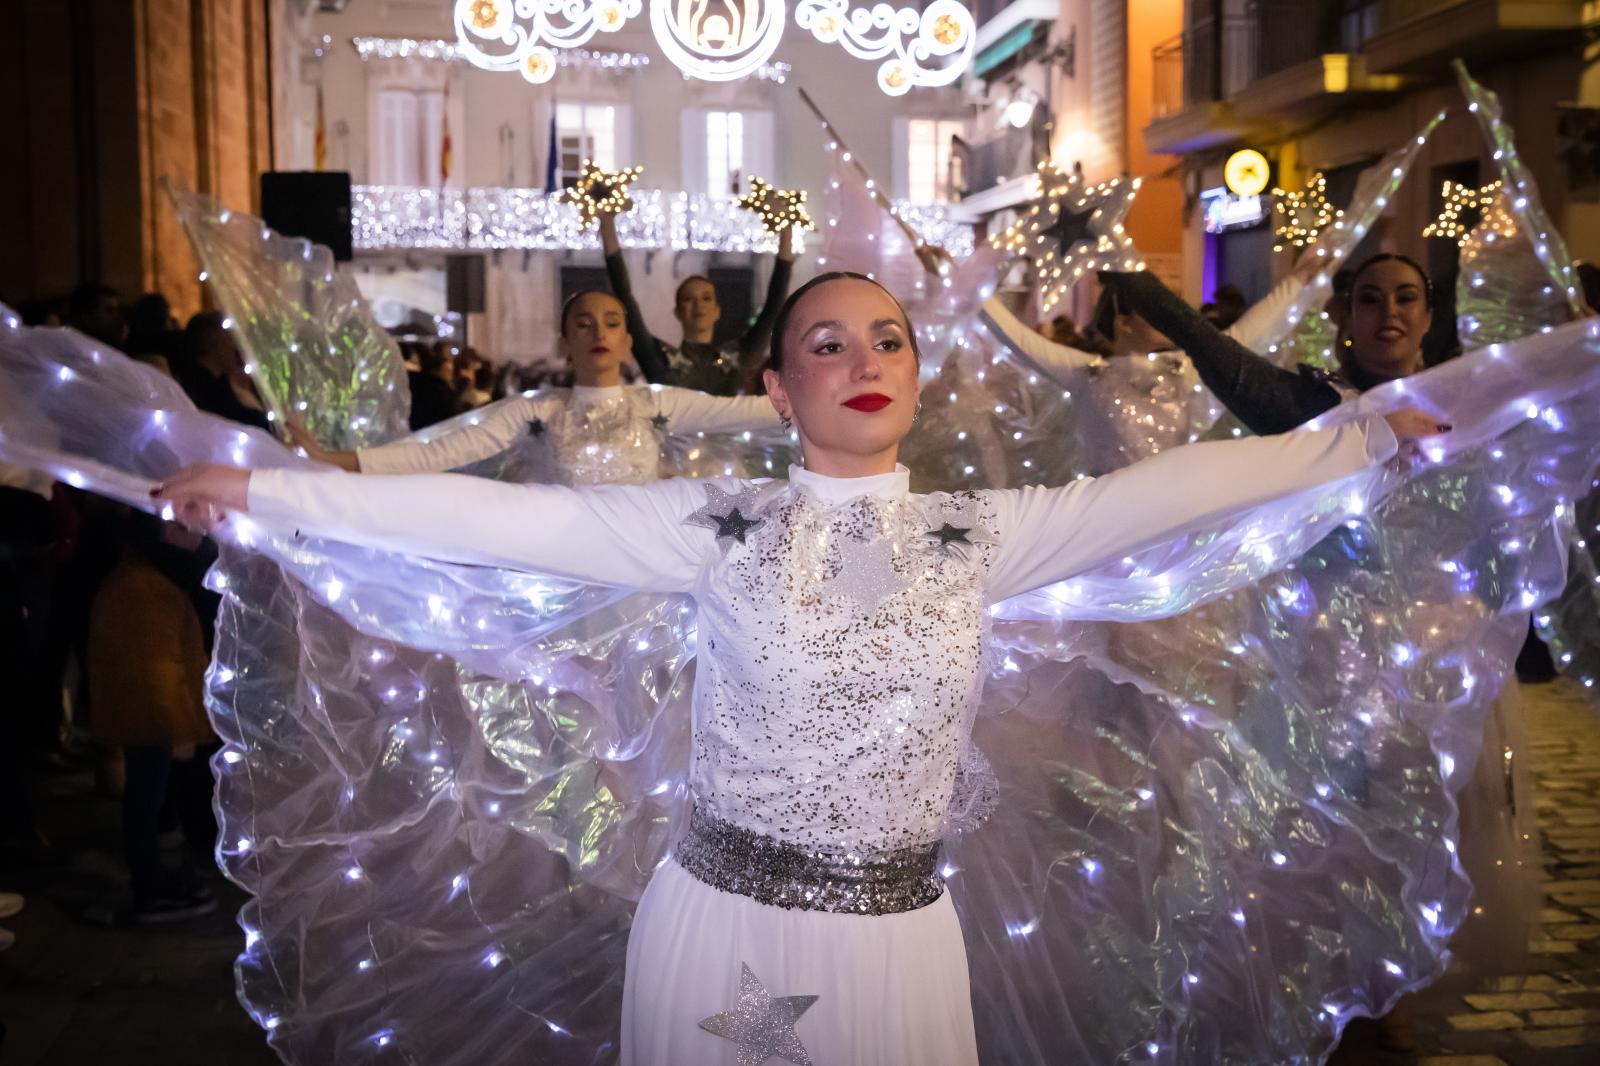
{"points": [[891, 990]]}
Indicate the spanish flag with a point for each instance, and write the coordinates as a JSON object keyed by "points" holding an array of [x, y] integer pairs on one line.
{"points": [[319, 145], [444, 142]]}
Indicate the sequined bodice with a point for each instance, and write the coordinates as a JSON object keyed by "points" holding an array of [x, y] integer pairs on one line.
{"points": [[604, 440], [840, 657]]}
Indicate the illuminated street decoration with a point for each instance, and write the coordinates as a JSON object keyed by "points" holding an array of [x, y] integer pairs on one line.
{"points": [[1245, 173], [777, 208], [905, 39], [601, 192], [1073, 228], [1489, 202], [1304, 214], [718, 40], [519, 34], [722, 40]]}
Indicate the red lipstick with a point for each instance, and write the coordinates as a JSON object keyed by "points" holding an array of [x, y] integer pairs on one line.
{"points": [[868, 401]]}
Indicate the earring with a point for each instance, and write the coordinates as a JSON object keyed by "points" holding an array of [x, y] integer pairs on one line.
{"points": [[788, 423], [917, 412]]}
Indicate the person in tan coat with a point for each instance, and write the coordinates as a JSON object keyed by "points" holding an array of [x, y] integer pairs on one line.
{"points": [[146, 667]]}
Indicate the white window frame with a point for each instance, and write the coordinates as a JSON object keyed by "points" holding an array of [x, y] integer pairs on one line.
{"points": [[408, 136], [755, 149], [905, 188], [584, 123]]}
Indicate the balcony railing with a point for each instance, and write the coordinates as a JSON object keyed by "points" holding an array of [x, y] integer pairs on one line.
{"points": [[406, 217], [1214, 60], [1009, 154]]}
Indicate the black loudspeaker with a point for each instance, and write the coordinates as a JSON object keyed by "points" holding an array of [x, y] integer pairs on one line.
{"points": [[463, 284], [314, 204]]}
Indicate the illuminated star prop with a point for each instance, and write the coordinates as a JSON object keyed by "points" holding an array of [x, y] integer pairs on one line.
{"points": [[1461, 199], [1304, 214], [777, 208], [762, 1025], [601, 192], [1073, 228]]}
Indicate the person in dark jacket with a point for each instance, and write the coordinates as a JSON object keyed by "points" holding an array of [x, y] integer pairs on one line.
{"points": [[698, 362]]}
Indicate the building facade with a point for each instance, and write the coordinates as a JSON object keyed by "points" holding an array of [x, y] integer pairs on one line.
{"points": [[1329, 86], [1068, 80], [392, 87]]}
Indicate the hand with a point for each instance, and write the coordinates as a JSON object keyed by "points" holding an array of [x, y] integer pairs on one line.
{"points": [[1413, 425], [198, 493], [302, 438], [935, 260]]}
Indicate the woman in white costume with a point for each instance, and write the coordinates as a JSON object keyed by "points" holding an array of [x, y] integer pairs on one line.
{"points": [[842, 627], [600, 431]]}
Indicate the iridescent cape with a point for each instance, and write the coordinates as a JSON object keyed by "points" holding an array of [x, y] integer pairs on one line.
{"points": [[444, 818], [444, 786]]}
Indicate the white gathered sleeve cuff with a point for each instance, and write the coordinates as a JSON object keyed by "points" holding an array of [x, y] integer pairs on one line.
{"points": [[1058, 362], [1253, 328], [1050, 534], [500, 426], [688, 411], [628, 536]]}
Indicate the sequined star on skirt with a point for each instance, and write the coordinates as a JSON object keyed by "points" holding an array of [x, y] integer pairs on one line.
{"points": [[762, 1025]]}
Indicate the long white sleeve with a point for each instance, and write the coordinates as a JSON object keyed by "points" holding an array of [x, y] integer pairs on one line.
{"points": [[688, 411], [631, 536], [1047, 535], [499, 425], [1254, 327], [1056, 361]]}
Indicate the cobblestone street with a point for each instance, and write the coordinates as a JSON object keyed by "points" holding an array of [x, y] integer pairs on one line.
{"points": [[1548, 1015], [72, 994]]}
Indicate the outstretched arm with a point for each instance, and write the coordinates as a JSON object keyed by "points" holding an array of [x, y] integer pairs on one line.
{"points": [[1047, 535], [1264, 396], [630, 536], [487, 432], [1058, 362], [688, 411], [646, 348]]}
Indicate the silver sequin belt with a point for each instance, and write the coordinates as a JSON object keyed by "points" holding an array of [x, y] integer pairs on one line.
{"points": [[738, 860]]}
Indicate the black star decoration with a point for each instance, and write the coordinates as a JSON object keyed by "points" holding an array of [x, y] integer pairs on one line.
{"points": [[1073, 228], [949, 534], [735, 525], [659, 420], [536, 428], [727, 514]]}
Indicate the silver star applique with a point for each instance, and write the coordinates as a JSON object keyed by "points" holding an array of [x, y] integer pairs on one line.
{"points": [[730, 515], [867, 576], [761, 1024], [954, 528]]}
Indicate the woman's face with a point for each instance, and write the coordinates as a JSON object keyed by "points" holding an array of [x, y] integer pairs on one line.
{"points": [[696, 306], [849, 377], [596, 336], [1388, 318]]}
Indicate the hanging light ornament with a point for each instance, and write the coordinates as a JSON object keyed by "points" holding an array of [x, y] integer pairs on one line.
{"points": [[905, 39], [519, 34], [1304, 214], [1488, 201], [601, 192], [1073, 228], [777, 208], [723, 40]]}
